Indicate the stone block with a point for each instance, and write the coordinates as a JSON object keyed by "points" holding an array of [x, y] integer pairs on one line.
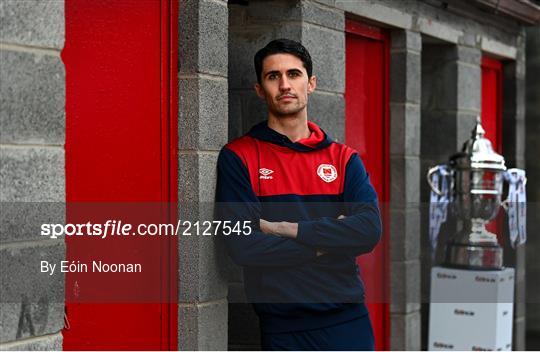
{"points": [[406, 40], [43, 343], [243, 45], [468, 55], [21, 221], [405, 332], [405, 129], [254, 110], [197, 185], [203, 105], [314, 13], [203, 38], [405, 71], [270, 12], [405, 287], [405, 234], [331, 3], [328, 111], [444, 132], [213, 37], [188, 37], [329, 69], [377, 11], [202, 326], [32, 302], [32, 97], [202, 274], [290, 30], [235, 114], [33, 23], [439, 86], [32, 174], [465, 124], [468, 87], [405, 185]]}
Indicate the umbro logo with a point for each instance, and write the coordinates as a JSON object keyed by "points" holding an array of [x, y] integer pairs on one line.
{"points": [[265, 174]]}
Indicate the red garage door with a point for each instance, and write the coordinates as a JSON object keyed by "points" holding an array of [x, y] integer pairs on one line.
{"points": [[120, 59], [367, 130]]}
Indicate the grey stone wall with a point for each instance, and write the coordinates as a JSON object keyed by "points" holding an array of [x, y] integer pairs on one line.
{"points": [[435, 98], [532, 165], [202, 124], [32, 138], [318, 27]]}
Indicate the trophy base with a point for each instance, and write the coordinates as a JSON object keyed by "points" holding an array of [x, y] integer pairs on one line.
{"points": [[477, 257]]}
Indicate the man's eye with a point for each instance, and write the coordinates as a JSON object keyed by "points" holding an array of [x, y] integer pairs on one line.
{"points": [[294, 74], [272, 76]]}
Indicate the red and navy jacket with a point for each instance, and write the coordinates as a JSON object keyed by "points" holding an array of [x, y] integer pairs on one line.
{"points": [[312, 182]]}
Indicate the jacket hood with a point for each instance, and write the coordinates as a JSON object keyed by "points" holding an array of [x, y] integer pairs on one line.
{"points": [[318, 139]]}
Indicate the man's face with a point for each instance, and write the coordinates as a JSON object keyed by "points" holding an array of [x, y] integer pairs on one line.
{"points": [[285, 85]]}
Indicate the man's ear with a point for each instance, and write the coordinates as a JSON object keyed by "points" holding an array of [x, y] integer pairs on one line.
{"points": [[312, 84], [260, 91]]}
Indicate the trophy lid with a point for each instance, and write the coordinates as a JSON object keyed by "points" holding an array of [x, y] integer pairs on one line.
{"points": [[480, 151]]}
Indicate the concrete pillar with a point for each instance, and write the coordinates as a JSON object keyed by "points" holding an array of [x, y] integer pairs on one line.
{"points": [[202, 123], [532, 141], [514, 153], [32, 176], [451, 91], [405, 75]]}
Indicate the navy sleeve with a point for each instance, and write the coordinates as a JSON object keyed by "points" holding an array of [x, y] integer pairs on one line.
{"points": [[236, 202], [361, 230]]}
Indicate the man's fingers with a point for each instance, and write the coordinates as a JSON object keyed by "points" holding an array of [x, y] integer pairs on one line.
{"points": [[341, 217]]}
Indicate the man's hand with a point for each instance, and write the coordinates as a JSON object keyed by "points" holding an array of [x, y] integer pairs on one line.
{"points": [[281, 228]]}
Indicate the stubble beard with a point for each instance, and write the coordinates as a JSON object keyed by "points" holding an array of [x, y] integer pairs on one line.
{"points": [[289, 110]]}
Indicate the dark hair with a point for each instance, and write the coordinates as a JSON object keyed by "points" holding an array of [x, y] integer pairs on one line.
{"points": [[282, 46]]}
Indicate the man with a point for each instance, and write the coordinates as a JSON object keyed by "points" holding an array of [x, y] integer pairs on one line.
{"points": [[312, 210]]}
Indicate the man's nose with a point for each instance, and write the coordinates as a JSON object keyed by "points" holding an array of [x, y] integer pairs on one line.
{"points": [[284, 83]]}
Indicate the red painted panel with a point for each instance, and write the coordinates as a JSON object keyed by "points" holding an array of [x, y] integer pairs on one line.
{"points": [[492, 121], [367, 130], [120, 61], [492, 101]]}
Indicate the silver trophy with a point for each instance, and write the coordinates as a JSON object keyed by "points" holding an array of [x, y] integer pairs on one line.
{"points": [[472, 185]]}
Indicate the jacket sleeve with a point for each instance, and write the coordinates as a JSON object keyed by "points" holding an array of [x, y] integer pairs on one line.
{"points": [[361, 230], [236, 202]]}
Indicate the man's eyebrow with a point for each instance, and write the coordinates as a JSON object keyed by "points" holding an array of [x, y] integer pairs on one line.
{"points": [[271, 72], [295, 70]]}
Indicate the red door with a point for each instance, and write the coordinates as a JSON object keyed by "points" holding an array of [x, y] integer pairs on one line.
{"points": [[492, 121], [120, 61], [492, 101], [367, 130]]}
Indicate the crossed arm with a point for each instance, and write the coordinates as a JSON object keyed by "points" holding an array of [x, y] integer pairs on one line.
{"points": [[286, 243]]}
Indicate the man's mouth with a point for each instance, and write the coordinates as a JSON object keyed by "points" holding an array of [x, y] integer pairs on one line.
{"points": [[286, 97]]}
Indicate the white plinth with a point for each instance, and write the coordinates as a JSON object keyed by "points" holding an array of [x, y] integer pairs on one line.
{"points": [[471, 309]]}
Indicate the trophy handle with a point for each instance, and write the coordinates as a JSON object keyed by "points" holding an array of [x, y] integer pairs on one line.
{"points": [[431, 185]]}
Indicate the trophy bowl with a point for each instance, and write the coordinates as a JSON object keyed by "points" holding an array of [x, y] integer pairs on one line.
{"points": [[476, 184]]}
